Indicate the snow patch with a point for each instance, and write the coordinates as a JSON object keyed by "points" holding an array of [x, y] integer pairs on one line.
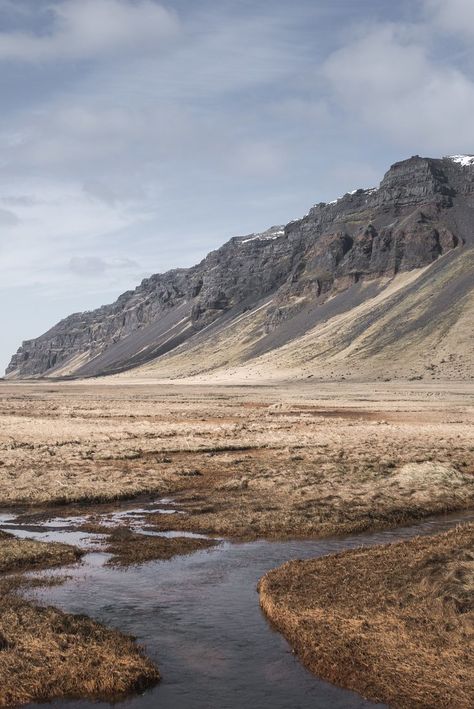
{"points": [[368, 191], [273, 233], [463, 160]]}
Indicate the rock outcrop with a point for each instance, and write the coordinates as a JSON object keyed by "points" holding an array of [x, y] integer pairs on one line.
{"points": [[423, 209]]}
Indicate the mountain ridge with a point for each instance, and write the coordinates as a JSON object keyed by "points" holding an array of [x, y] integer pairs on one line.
{"points": [[422, 211]]}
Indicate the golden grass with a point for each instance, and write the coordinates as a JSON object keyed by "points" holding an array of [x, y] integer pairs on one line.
{"points": [[46, 654], [18, 554], [297, 502], [276, 462], [395, 623], [244, 462]]}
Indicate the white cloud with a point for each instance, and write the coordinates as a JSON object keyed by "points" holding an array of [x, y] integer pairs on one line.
{"points": [[94, 266], [179, 130], [19, 200], [453, 16], [386, 79], [8, 218], [86, 28], [61, 223], [87, 265], [257, 159]]}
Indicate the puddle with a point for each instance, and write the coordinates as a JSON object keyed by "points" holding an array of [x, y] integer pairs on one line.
{"points": [[67, 529], [5, 518], [199, 619], [170, 534]]}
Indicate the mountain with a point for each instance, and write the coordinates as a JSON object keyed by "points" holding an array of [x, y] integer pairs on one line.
{"points": [[378, 283]]}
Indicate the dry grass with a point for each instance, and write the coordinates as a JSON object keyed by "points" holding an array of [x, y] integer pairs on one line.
{"points": [[300, 502], [46, 654], [280, 461], [19, 554], [244, 462], [395, 623]]}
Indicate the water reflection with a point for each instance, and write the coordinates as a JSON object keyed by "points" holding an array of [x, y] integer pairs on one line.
{"points": [[200, 620]]}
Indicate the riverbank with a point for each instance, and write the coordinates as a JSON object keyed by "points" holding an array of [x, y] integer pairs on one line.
{"points": [[393, 623], [47, 654]]}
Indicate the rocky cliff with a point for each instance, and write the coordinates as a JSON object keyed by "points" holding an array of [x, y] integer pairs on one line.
{"points": [[423, 209]]}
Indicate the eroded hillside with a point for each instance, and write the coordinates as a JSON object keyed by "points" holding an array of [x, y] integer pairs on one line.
{"points": [[342, 291]]}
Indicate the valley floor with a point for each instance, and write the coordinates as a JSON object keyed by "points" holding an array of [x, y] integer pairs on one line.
{"points": [[244, 462], [247, 462]]}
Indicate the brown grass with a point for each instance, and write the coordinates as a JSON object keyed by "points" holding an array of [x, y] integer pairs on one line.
{"points": [[395, 623], [244, 462], [46, 654], [20, 554], [286, 461], [294, 503]]}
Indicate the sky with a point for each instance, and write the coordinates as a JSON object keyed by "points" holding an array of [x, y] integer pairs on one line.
{"points": [[138, 135]]}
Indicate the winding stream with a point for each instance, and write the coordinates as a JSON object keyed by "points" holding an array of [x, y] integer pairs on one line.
{"points": [[199, 616]]}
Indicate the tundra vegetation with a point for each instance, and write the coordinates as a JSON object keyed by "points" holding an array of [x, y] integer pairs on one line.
{"points": [[243, 462], [47, 654], [394, 623]]}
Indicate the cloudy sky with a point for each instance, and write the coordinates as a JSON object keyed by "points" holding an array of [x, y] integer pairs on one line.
{"points": [[137, 135]]}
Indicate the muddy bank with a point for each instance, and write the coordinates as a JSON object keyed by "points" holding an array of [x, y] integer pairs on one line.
{"points": [[393, 623]]}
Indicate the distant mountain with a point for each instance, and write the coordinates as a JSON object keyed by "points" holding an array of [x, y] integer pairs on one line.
{"points": [[377, 283]]}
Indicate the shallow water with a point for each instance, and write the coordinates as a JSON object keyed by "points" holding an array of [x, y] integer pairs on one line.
{"points": [[199, 619]]}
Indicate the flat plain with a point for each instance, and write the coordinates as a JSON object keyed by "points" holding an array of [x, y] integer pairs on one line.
{"points": [[275, 461], [247, 462]]}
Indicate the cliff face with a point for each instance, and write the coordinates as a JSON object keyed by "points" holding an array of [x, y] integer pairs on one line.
{"points": [[422, 209]]}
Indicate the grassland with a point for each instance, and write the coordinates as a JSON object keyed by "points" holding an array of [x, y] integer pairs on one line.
{"points": [[20, 554], [244, 462], [47, 654], [300, 460], [394, 623]]}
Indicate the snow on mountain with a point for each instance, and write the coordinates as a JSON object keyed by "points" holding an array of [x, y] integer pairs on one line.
{"points": [[463, 160]]}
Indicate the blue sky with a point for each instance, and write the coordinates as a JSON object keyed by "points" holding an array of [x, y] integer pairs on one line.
{"points": [[136, 136]]}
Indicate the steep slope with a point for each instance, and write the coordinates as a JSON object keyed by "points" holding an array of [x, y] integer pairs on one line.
{"points": [[345, 285], [418, 324]]}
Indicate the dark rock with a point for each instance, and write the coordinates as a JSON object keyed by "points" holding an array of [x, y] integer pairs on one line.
{"points": [[422, 209]]}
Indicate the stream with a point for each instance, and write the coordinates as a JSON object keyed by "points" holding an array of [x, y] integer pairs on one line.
{"points": [[198, 616]]}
